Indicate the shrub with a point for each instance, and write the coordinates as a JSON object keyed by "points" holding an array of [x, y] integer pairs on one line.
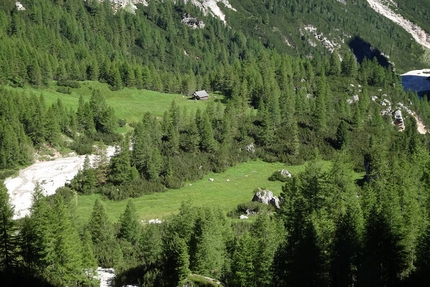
{"points": [[132, 189], [277, 176], [250, 207], [122, 122], [64, 90], [68, 83], [173, 182], [83, 145]]}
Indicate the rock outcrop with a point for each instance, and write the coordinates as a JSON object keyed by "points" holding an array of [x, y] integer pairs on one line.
{"points": [[383, 8], [19, 6], [398, 119], [192, 22], [266, 197], [284, 173]]}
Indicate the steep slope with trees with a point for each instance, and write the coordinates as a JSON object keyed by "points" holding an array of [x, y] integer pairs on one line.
{"points": [[328, 230]]}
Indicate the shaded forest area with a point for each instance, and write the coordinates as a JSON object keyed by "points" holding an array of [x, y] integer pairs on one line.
{"points": [[329, 230]]}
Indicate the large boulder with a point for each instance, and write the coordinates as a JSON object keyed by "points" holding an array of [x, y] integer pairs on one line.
{"points": [[266, 197], [398, 119]]}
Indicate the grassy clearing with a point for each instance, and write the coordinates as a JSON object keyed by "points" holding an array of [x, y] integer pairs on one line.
{"points": [[129, 104], [243, 179]]}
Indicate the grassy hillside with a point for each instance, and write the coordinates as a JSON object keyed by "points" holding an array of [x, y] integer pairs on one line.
{"points": [[243, 179], [129, 103]]}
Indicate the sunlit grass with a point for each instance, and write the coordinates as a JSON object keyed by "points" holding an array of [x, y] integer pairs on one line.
{"points": [[226, 191], [129, 103]]}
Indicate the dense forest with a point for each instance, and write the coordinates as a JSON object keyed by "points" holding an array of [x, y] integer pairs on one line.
{"points": [[278, 105]]}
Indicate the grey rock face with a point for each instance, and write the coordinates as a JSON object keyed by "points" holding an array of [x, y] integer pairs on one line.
{"points": [[398, 119], [266, 197]]}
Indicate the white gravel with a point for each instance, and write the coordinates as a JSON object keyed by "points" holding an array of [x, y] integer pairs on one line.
{"points": [[416, 31], [49, 174]]}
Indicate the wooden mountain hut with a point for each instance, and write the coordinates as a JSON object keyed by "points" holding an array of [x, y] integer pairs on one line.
{"points": [[201, 95]]}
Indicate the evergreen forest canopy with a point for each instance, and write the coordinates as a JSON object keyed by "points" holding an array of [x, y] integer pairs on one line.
{"points": [[277, 107]]}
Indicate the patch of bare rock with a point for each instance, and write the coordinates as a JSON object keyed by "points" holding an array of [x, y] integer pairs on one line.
{"points": [[266, 197], [49, 175], [383, 8]]}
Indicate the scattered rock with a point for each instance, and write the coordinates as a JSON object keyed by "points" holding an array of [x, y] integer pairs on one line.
{"points": [[192, 22], [329, 45], [275, 202], [250, 148], [19, 6], [266, 197], [155, 221], [353, 99], [106, 276], [398, 119], [284, 173]]}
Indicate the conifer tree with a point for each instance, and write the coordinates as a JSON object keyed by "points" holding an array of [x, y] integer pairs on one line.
{"points": [[106, 249], [207, 135], [176, 260], [121, 170], [129, 225], [321, 105], [335, 65], [266, 239], [242, 267], [342, 135], [8, 235], [67, 263], [89, 261], [346, 251], [384, 257], [208, 248]]}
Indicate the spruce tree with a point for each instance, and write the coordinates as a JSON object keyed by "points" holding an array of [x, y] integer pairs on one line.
{"points": [[320, 105], [207, 143], [67, 263], [8, 235], [129, 225], [106, 249]]}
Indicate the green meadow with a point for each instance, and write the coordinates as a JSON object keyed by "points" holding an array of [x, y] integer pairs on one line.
{"points": [[129, 103], [226, 191]]}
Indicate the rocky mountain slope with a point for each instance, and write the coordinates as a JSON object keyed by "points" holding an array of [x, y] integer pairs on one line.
{"points": [[384, 8]]}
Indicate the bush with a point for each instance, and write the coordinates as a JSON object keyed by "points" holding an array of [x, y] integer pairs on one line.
{"points": [[83, 145], [107, 138], [173, 182], [200, 281], [132, 189], [277, 176], [122, 122], [64, 90], [251, 207], [68, 83]]}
